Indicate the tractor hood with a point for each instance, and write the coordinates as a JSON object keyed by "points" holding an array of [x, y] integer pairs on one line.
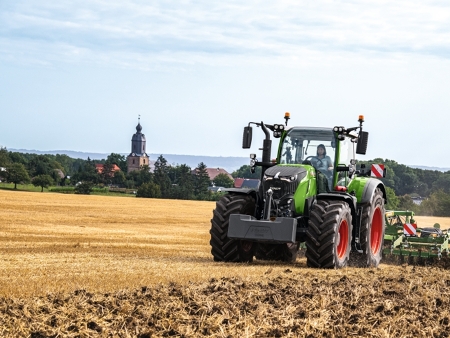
{"points": [[283, 179]]}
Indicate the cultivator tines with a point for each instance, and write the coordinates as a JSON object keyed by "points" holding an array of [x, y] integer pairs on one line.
{"points": [[405, 243]]}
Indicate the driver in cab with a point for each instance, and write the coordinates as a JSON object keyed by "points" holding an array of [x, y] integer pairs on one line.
{"points": [[325, 164]]}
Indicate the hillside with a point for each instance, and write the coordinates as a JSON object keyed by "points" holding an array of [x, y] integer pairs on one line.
{"points": [[230, 164]]}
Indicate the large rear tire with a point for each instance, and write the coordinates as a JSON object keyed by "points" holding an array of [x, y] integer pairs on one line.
{"points": [[371, 233], [286, 252], [328, 238], [223, 248]]}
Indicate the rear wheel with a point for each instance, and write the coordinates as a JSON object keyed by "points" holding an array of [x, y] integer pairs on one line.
{"points": [[222, 247], [371, 233], [286, 252], [329, 235]]}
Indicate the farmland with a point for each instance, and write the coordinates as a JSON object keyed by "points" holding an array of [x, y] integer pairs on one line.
{"points": [[85, 266]]}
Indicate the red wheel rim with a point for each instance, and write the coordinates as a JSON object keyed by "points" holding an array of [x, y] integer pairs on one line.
{"points": [[343, 239], [376, 231]]}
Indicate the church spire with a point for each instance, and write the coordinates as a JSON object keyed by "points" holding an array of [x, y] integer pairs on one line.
{"points": [[139, 127]]}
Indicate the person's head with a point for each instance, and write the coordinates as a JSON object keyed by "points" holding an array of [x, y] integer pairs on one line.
{"points": [[321, 151]]}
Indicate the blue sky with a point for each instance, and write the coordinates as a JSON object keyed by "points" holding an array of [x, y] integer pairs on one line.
{"points": [[75, 75]]}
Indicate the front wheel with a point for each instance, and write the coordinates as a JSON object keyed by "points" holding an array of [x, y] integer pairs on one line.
{"points": [[329, 235], [223, 248]]}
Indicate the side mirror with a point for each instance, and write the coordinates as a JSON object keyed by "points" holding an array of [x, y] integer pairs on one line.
{"points": [[247, 138], [361, 146]]}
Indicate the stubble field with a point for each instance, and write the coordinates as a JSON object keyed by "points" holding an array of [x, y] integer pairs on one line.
{"points": [[93, 266]]}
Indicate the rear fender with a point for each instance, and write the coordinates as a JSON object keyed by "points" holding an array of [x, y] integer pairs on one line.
{"points": [[369, 189], [364, 187]]}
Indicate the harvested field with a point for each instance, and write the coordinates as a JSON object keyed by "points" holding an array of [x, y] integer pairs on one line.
{"points": [[93, 266]]}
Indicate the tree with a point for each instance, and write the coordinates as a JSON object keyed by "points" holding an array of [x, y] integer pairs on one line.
{"points": [[4, 157], [201, 181], [438, 204], [119, 178], [150, 190], [161, 176], [182, 182], [442, 183], [119, 160], [16, 173], [136, 178], [223, 180], [406, 203], [84, 188], [392, 200], [86, 173], [244, 172], [107, 173], [43, 181]]}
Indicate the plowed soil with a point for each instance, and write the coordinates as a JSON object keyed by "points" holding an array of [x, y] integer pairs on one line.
{"points": [[90, 266]]}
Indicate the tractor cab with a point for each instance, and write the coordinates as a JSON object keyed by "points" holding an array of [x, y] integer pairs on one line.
{"points": [[313, 146], [320, 147]]}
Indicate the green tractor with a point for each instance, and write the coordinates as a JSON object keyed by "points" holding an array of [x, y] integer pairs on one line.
{"points": [[311, 195]]}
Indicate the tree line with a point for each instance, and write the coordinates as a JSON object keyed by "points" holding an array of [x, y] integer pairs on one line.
{"points": [[166, 181], [182, 182]]}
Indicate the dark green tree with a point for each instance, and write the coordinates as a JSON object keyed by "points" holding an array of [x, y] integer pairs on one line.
{"points": [[16, 173], [223, 180], [406, 203], [244, 172], [16, 157], [107, 174], [201, 181], [119, 160], [43, 181], [119, 178], [84, 188], [86, 173], [182, 182], [392, 199], [442, 183], [136, 178], [150, 190], [438, 204], [161, 177], [4, 157]]}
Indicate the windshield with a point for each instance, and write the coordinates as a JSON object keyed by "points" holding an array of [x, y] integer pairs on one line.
{"points": [[309, 144]]}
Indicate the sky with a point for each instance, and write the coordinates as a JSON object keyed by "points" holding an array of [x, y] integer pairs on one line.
{"points": [[77, 75]]}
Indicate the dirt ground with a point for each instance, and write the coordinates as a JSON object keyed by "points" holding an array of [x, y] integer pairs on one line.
{"points": [[92, 266]]}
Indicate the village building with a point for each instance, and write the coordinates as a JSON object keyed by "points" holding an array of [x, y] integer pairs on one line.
{"points": [[100, 167], [138, 156]]}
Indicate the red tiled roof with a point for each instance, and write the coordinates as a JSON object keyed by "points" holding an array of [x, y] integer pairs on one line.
{"points": [[213, 172], [99, 167]]}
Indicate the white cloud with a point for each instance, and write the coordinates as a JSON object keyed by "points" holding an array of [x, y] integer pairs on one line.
{"points": [[180, 32]]}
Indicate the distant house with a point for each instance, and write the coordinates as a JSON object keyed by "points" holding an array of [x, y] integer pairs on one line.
{"points": [[246, 183], [99, 168], [213, 172]]}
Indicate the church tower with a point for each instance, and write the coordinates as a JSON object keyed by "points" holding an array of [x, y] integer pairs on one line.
{"points": [[138, 157]]}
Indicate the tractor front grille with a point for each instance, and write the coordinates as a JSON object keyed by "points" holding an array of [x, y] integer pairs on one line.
{"points": [[283, 180]]}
